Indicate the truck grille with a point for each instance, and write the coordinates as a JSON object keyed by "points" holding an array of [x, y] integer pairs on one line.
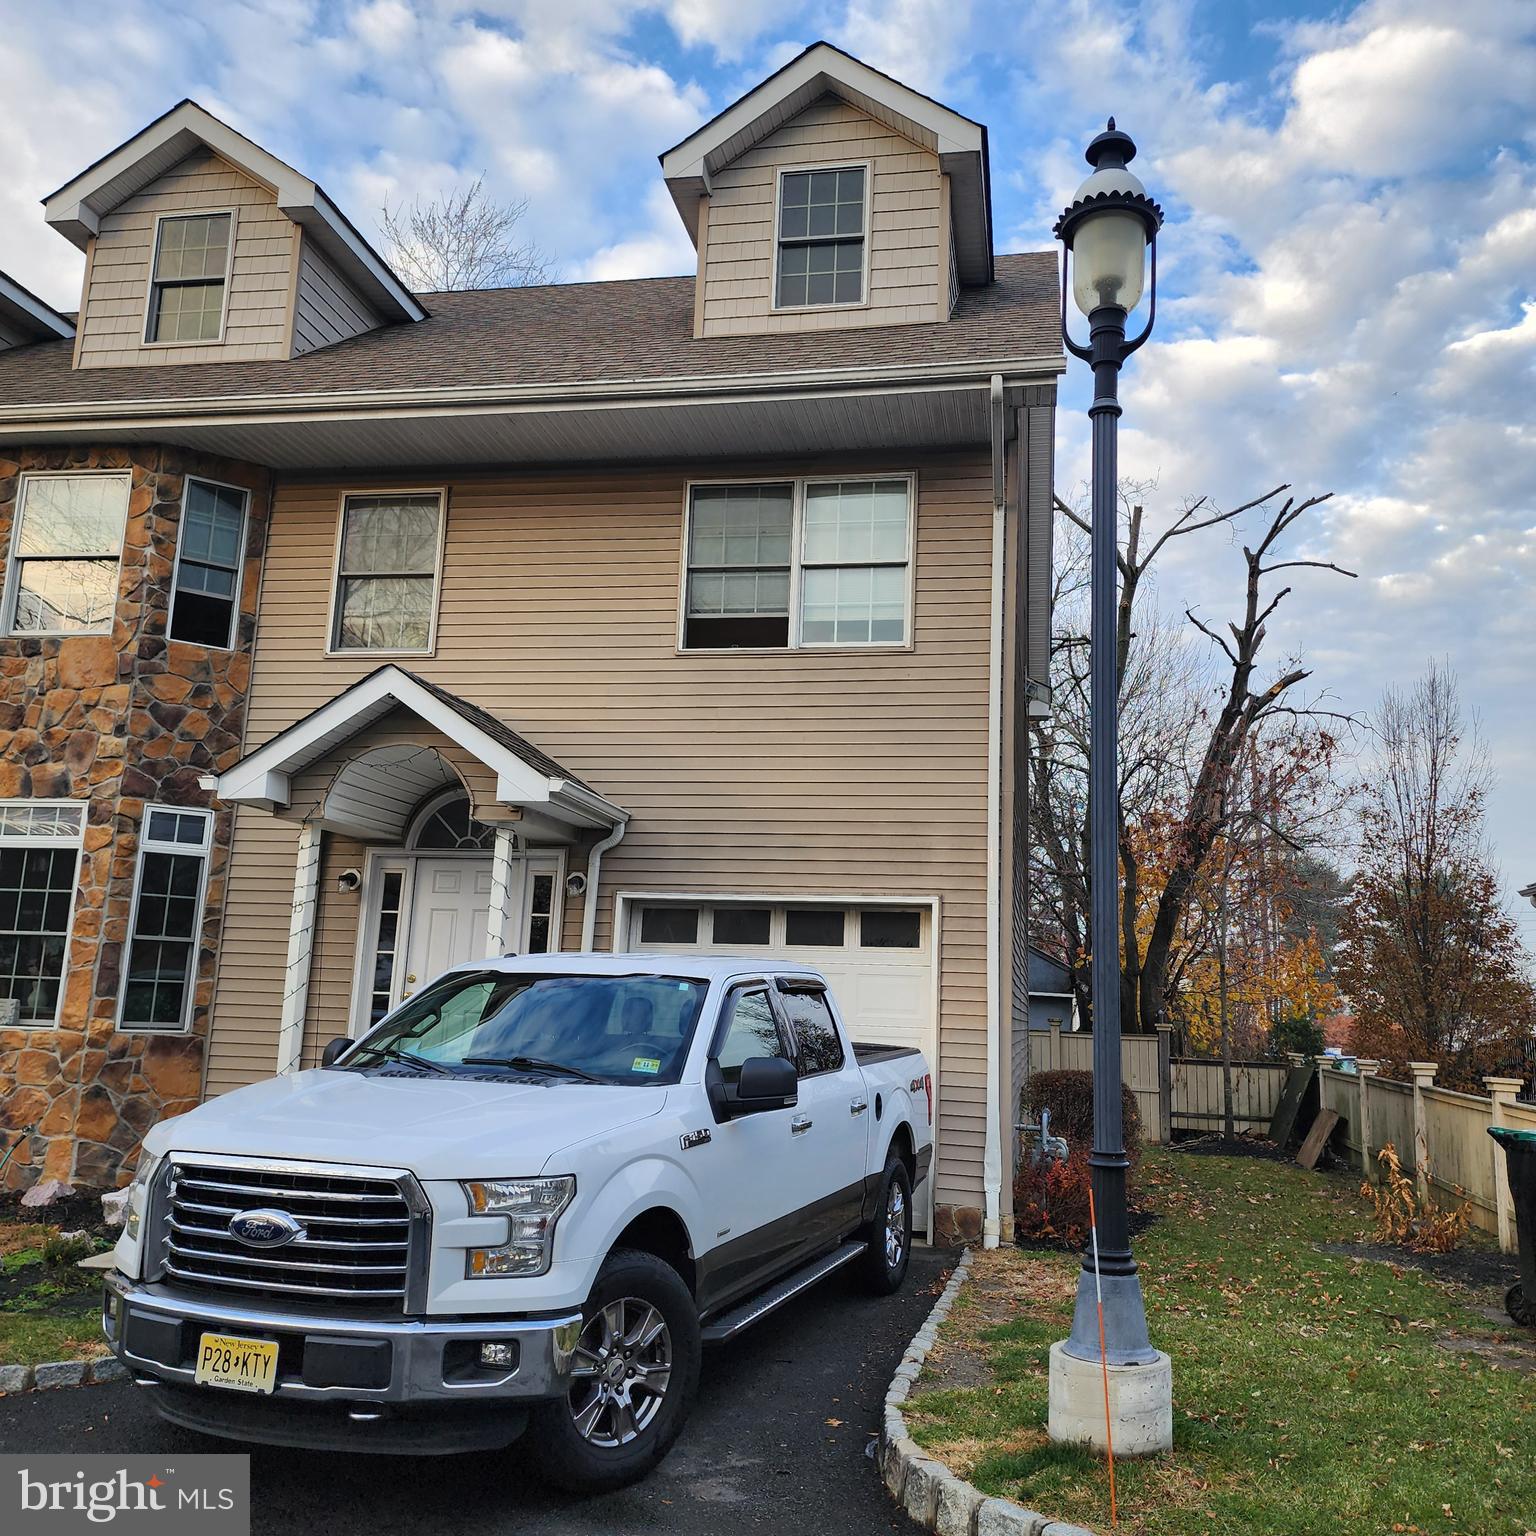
{"points": [[355, 1247]]}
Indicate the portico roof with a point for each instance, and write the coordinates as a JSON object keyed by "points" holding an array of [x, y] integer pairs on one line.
{"points": [[525, 777]]}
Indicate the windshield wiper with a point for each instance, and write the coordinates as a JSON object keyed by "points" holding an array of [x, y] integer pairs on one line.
{"points": [[531, 1064], [394, 1052]]}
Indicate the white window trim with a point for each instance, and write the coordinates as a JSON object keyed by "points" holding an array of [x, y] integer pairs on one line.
{"points": [[15, 560], [439, 491], [867, 166], [181, 528], [204, 852], [229, 275], [83, 806], [798, 484]]}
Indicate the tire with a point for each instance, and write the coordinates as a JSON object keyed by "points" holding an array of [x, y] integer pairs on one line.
{"points": [[611, 1429], [884, 1265]]}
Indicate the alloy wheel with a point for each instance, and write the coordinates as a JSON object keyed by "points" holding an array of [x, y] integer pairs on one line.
{"points": [[622, 1368], [895, 1224]]}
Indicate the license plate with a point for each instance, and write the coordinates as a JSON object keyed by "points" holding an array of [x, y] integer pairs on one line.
{"points": [[245, 1365]]}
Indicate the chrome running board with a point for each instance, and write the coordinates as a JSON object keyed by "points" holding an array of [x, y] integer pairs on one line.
{"points": [[757, 1307]]}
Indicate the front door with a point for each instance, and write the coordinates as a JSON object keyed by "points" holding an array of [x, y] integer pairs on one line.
{"points": [[450, 908]]}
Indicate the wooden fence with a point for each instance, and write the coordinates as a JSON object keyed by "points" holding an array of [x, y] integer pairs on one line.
{"points": [[1440, 1137], [1183, 1094]]}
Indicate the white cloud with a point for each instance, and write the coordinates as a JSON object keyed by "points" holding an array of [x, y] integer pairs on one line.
{"points": [[662, 249]]}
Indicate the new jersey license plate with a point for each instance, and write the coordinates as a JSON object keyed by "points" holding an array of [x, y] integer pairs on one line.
{"points": [[245, 1365]]}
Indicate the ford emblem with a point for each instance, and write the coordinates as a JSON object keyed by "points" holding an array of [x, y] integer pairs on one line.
{"points": [[265, 1229]]}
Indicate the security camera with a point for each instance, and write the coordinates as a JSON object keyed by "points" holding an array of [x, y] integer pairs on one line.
{"points": [[576, 884], [349, 882]]}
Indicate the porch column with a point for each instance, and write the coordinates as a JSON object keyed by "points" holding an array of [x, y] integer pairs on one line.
{"points": [[301, 949], [500, 913], [1366, 1068], [1423, 1077], [1500, 1091]]}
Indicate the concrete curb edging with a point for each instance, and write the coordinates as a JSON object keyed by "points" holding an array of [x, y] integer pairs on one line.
{"points": [[60, 1373], [925, 1488]]}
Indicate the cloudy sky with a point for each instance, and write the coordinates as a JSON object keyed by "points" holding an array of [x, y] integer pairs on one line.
{"points": [[1349, 265]]}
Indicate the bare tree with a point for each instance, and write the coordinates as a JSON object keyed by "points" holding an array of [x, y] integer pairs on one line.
{"points": [[1187, 714], [1429, 957], [463, 239]]}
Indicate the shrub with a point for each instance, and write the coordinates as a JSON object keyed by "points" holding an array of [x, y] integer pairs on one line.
{"points": [[1401, 1220], [1296, 1033], [1050, 1199], [1069, 1097]]}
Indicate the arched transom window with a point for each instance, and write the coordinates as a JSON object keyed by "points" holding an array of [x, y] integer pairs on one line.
{"points": [[446, 826]]}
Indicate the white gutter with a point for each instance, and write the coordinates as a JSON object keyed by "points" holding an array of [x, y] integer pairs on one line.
{"points": [[594, 875], [632, 393], [992, 1151]]}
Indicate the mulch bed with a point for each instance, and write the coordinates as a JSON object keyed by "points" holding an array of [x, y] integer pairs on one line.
{"points": [[79, 1212], [1214, 1144], [1477, 1268]]}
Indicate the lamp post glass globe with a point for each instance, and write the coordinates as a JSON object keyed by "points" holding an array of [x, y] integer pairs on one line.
{"points": [[1109, 256]]}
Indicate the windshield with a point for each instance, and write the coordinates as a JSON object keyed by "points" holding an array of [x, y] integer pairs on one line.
{"points": [[608, 1029]]}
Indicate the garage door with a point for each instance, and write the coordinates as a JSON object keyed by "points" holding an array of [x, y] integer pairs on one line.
{"points": [[878, 958]]}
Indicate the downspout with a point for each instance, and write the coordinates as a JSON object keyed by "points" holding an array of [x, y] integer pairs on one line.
{"points": [[594, 874], [992, 1148]]}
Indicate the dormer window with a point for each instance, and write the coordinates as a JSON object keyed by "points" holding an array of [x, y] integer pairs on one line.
{"points": [[186, 295], [822, 220]]}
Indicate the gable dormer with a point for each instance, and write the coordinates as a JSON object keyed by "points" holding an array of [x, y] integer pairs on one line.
{"points": [[832, 196], [202, 247]]}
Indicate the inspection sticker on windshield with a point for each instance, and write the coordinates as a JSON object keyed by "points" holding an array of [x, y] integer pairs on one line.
{"points": [[646, 1064]]}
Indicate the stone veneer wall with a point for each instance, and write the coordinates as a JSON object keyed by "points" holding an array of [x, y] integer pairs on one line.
{"points": [[120, 720]]}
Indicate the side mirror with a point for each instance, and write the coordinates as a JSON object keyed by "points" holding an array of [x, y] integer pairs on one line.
{"points": [[334, 1048], [767, 1082]]}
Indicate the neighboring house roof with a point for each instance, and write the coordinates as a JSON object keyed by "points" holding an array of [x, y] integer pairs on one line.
{"points": [[575, 337], [1048, 977], [525, 775], [821, 69], [77, 208], [23, 312]]}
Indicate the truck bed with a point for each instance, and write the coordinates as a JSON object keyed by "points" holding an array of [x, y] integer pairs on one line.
{"points": [[867, 1054]]}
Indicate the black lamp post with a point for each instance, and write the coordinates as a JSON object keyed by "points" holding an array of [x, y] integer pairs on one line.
{"points": [[1106, 231]]}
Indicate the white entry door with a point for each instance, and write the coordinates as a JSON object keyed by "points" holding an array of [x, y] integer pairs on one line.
{"points": [[450, 908]]}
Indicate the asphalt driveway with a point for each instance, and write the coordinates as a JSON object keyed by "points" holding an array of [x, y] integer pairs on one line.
{"points": [[777, 1442]]}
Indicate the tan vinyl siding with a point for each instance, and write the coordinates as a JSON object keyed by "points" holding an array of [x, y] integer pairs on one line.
{"points": [[256, 319], [843, 772], [905, 241], [327, 308]]}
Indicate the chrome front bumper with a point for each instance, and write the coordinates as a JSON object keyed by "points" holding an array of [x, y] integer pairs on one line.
{"points": [[407, 1362]]}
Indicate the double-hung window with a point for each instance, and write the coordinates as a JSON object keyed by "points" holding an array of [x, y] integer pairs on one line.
{"points": [[186, 291], [799, 564], [160, 975], [39, 870], [386, 572], [206, 601], [65, 550], [821, 237]]}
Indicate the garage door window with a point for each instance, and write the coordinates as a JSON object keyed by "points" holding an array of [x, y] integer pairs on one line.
{"points": [[669, 925], [814, 927], [741, 925], [815, 1033], [883, 929]]}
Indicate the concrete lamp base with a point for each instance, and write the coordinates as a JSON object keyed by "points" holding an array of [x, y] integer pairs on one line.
{"points": [[1140, 1403]]}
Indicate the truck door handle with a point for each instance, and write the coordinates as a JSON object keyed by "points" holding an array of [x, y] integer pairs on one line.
{"points": [[858, 1107], [799, 1125]]}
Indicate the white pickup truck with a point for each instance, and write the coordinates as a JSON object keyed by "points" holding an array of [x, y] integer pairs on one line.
{"points": [[524, 1201]]}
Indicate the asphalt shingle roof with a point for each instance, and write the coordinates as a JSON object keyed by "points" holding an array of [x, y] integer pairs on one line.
{"points": [[574, 333]]}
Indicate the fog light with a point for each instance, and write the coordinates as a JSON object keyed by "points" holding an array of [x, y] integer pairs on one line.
{"points": [[503, 1356]]}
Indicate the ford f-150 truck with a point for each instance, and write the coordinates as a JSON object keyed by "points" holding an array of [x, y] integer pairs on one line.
{"points": [[521, 1203]]}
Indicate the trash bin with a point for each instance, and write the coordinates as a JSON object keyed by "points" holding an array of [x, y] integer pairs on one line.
{"points": [[1520, 1154]]}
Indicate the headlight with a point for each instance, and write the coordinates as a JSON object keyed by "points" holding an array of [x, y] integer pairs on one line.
{"points": [[532, 1207], [138, 1193]]}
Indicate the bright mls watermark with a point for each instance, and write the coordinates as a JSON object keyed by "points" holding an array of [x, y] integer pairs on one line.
{"points": [[61, 1495]]}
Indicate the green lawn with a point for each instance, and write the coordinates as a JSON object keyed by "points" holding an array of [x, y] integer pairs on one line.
{"points": [[48, 1310], [1312, 1393]]}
